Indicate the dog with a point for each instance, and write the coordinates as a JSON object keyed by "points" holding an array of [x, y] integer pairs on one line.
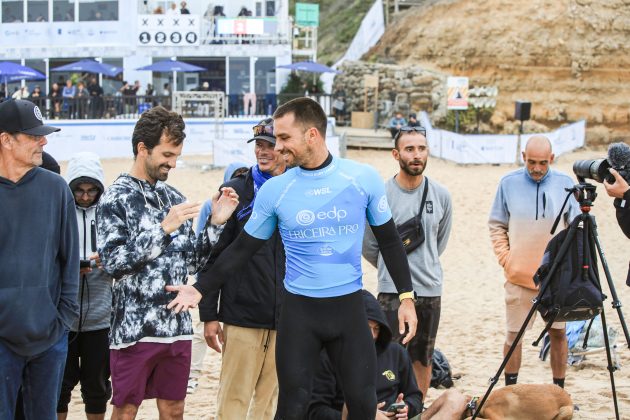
{"points": [[526, 401]]}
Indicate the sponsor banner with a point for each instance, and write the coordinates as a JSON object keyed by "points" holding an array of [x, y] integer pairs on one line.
{"points": [[112, 139], [64, 33], [168, 30], [457, 93], [499, 148]]}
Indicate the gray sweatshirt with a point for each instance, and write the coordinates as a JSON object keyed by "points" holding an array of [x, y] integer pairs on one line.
{"points": [[95, 287], [424, 261]]}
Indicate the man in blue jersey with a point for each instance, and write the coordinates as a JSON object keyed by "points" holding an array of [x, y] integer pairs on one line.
{"points": [[319, 207]]}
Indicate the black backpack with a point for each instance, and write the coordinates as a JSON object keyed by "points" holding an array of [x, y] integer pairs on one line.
{"points": [[441, 374], [573, 294]]}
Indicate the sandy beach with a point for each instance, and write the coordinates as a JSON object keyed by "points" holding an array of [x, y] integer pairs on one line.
{"points": [[472, 326]]}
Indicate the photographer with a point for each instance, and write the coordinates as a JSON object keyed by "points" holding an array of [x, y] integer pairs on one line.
{"points": [[620, 190]]}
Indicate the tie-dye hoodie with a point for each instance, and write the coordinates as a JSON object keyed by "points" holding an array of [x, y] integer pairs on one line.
{"points": [[143, 259], [521, 219]]}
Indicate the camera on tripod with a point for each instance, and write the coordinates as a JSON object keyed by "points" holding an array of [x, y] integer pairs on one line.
{"points": [[597, 169]]}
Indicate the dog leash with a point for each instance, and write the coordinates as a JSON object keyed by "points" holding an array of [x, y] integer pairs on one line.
{"points": [[471, 406]]}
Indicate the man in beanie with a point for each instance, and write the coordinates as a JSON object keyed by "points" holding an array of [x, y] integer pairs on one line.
{"points": [[39, 256]]}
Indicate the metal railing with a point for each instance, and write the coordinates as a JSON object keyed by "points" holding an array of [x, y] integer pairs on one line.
{"points": [[113, 107]]}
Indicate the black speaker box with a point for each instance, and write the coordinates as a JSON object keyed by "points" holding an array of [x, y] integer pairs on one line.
{"points": [[522, 110]]}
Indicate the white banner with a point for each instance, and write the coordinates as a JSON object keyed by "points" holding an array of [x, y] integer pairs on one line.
{"points": [[64, 33], [171, 30], [112, 139], [371, 30], [496, 148]]}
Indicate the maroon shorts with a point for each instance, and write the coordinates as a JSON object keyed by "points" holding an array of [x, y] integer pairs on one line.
{"points": [[150, 370]]}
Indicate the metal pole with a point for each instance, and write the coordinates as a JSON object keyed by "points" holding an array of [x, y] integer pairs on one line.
{"points": [[457, 121]]}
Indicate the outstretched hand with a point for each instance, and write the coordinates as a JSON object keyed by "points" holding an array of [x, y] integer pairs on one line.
{"points": [[407, 315], [223, 205], [187, 297]]}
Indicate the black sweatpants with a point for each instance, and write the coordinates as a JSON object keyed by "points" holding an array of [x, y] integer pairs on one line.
{"points": [[88, 363], [338, 324]]}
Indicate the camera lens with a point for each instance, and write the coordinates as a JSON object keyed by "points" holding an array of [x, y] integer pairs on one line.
{"points": [[595, 169]]}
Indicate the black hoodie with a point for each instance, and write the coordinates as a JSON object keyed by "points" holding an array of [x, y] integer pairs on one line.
{"points": [[393, 367]]}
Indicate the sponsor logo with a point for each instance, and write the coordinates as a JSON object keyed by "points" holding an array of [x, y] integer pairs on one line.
{"points": [[382, 204], [322, 232], [318, 191], [307, 217], [429, 206], [38, 113], [326, 251], [389, 375], [254, 215]]}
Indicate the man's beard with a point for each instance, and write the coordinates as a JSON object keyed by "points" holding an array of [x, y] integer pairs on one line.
{"points": [[154, 172], [415, 171]]}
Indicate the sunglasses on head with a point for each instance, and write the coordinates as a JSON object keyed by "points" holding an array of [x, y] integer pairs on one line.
{"points": [[265, 130], [408, 129]]}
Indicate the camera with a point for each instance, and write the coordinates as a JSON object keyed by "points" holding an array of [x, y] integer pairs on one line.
{"points": [[597, 170]]}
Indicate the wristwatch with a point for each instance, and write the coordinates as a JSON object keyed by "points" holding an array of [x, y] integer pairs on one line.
{"points": [[408, 295]]}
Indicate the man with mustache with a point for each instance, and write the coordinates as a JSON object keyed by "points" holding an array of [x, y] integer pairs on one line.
{"points": [[406, 192], [526, 204]]}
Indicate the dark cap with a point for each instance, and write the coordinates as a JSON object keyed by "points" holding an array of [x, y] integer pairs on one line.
{"points": [[412, 115], [21, 116], [264, 131]]}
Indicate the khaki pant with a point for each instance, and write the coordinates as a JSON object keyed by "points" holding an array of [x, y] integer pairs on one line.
{"points": [[248, 386], [199, 348]]}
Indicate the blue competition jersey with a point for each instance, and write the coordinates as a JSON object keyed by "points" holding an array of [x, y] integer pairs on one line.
{"points": [[321, 217]]}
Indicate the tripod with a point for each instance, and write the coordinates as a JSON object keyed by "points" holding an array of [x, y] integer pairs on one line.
{"points": [[586, 196]]}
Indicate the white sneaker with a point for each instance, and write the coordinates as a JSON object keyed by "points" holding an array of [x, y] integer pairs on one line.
{"points": [[193, 383]]}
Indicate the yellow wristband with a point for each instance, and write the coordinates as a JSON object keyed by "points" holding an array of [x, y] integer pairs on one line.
{"points": [[406, 295]]}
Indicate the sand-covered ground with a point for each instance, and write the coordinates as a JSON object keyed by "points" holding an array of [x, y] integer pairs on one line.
{"points": [[471, 329]]}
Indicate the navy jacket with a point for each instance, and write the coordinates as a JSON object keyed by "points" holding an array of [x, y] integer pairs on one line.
{"points": [[252, 296], [39, 260]]}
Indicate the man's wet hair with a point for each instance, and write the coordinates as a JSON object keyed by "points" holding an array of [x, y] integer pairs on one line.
{"points": [[306, 112], [153, 123]]}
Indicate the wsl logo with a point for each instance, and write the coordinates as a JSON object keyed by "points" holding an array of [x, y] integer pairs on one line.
{"points": [[318, 191], [307, 217]]}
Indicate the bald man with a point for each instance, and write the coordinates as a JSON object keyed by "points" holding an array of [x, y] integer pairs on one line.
{"points": [[526, 204]]}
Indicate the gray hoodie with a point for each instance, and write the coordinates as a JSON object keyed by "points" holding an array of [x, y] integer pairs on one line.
{"points": [[95, 288]]}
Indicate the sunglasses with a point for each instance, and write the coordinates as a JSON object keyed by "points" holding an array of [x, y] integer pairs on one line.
{"points": [[408, 129], [264, 130]]}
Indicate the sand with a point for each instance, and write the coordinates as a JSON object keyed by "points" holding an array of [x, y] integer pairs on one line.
{"points": [[471, 330]]}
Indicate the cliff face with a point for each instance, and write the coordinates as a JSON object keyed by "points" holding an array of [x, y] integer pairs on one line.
{"points": [[570, 58]]}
